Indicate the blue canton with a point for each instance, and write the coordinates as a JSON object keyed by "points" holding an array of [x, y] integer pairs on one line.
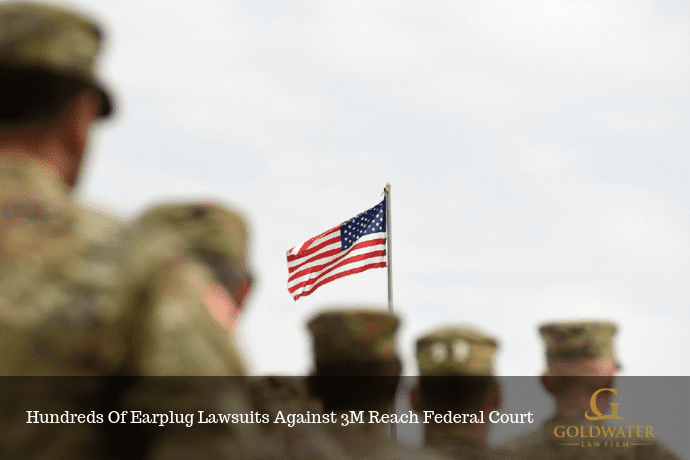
{"points": [[366, 223]]}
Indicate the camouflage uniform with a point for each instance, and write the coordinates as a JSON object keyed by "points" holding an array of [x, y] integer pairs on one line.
{"points": [[180, 321], [456, 351], [56, 281], [182, 312], [57, 267], [185, 263], [579, 350], [352, 336], [78, 299], [55, 308]]}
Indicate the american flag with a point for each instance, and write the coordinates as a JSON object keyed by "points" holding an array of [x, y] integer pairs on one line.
{"points": [[352, 247]]}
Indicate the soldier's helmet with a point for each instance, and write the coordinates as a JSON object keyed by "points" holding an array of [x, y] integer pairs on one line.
{"points": [[53, 39], [211, 232], [353, 335], [580, 347], [456, 350], [207, 226]]}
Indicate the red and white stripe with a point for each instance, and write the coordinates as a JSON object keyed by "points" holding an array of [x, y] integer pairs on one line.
{"points": [[321, 260]]}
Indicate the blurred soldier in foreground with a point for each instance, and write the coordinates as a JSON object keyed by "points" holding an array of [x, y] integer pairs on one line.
{"points": [[358, 369], [456, 374], [56, 283], [580, 361], [185, 281], [50, 258], [72, 301]]}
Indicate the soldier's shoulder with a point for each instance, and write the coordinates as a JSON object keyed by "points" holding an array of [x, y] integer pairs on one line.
{"points": [[100, 234], [168, 300], [99, 224]]}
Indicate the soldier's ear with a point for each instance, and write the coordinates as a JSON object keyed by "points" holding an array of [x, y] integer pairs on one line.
{"points": [[416, 399], [241, 293], [82, 113]]}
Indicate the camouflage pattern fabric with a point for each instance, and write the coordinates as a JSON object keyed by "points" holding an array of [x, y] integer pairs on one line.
{"points": [[179, 334], [57, 280], [344, 335], [571, 340], [456, 351], [217, 237], [171, 296], [580, 348], [166, 297], [38, 252], [207, 226], [54, 39], [56, 292]]}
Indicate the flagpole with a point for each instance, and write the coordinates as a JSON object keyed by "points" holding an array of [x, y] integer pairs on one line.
{"points": [[389, 254], [389, 240]]}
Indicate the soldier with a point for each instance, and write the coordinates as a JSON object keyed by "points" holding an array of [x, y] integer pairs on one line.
{"points": [[456, 374], [181, 254], [50, 100], [185, 280], [357, 368], [70, 304], [56, 283], [580, 361]]}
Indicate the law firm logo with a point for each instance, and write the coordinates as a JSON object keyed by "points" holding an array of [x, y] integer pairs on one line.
{"points": [[598, 435], [595, 410]]}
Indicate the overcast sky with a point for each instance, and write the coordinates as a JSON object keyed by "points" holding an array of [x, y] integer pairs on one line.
{"points": [[537, 151]]}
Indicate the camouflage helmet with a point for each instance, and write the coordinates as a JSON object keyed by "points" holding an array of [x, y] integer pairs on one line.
{"points": [[347, 335], [54, 39], [205, 227], [578, 341], [456, 351]]}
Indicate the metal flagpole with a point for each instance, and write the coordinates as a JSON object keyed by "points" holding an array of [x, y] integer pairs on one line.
{"points": [[387, 193], [389, 242]]}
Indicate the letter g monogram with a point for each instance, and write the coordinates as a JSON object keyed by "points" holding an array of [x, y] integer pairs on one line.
{"points": [[597, 414]]}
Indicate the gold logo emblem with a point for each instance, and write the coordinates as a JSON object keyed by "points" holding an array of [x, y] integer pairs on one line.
{"points": [[597, 413]]}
